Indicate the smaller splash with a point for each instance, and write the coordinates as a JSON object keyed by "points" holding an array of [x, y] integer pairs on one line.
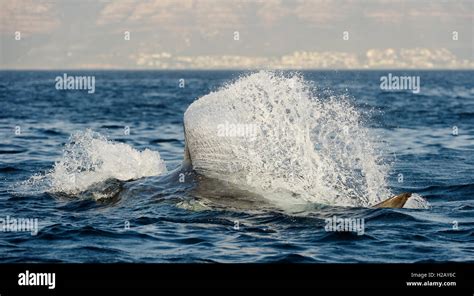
{"points": [[89, 158]]}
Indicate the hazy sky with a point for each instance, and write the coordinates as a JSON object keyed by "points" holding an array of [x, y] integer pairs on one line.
{"points": [[59, 34]]}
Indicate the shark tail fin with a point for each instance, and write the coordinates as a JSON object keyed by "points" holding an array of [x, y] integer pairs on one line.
{"points": [[395, 202]]}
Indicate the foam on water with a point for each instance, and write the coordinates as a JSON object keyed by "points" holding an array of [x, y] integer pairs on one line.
{"points": [[304, 146], [89, 158]]}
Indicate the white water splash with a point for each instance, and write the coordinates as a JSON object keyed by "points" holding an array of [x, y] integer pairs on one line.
{"points": [[89, 158], [416, 201], [307, 148]]}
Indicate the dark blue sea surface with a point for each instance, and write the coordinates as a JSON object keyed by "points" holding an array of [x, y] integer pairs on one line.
{"points": [[431, 133]]}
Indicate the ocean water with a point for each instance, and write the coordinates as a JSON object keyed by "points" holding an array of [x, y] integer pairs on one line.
{"points": [[102, 172]]}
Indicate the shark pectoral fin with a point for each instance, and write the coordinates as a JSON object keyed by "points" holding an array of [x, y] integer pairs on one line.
{"points": [[396, 202]]}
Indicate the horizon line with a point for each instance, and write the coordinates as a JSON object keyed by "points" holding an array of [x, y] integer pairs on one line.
{"points": [[236, 69]]}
